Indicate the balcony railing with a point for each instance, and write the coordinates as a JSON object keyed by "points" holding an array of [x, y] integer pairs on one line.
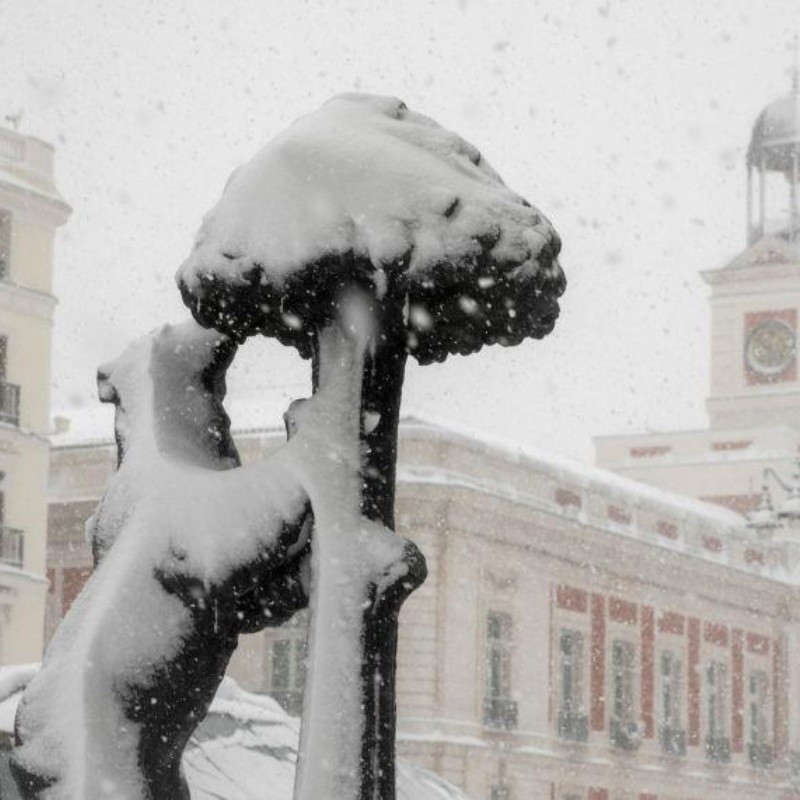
{"points": [[12, 546], [9, 403], [572, 726], [673, 741], [625, 734], [718, 748], [760, 755], [500, 712]]}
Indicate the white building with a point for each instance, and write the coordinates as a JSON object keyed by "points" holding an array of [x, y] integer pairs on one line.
{"points": [[30, 211]]}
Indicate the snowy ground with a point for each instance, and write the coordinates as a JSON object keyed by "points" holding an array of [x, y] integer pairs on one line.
{"points": [[244, 750]]}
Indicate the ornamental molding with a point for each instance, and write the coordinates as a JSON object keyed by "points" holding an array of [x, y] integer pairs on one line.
{"points": [[32, 204], [23, 300]]}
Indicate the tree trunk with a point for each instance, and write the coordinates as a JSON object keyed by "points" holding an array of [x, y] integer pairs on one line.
{"points": [[381, 393]]}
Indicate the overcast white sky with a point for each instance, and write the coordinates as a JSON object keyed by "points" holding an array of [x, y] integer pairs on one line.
{"points": [[626, 122]]}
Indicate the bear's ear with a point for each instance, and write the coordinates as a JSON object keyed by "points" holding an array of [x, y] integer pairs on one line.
{"points": [[106, 390]]}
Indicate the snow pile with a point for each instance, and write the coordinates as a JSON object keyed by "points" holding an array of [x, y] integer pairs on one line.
{"points": [[367, 176], [245, 749]]}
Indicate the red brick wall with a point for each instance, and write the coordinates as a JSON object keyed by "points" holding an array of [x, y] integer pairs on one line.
{"points": [[74, 580], [571, 599], [737, 692], [648, 662], [598, 665]]}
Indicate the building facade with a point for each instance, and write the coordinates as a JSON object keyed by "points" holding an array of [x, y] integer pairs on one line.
{"points": [[580, 635], [30, 211]]}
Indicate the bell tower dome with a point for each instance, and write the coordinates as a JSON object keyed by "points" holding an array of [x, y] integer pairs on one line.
{"points": [[773, 168]]}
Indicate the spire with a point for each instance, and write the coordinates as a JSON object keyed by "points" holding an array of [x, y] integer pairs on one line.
{"points": [[796, 65]]}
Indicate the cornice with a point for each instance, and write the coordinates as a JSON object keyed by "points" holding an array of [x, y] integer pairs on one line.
{"points": [[31, 202], [21, 299]]}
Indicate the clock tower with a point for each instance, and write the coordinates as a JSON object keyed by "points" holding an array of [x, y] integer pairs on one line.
{"points": [[754, 399], [755, 300]]}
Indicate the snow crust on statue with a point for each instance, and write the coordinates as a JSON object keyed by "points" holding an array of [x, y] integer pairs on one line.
{"points": [[190, 554], [365, 187]]}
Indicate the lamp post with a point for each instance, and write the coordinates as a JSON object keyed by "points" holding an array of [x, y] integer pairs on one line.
{"points": [[764, 519]]}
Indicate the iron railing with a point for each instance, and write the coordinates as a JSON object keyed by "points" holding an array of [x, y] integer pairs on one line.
{"points": [[673, 741], [718, 748], [760, 754], [12, 546], [572, 726], [625, 734], [500, 712], [9, 403]]}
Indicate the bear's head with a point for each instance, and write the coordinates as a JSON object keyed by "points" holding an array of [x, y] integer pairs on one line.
{"points": [[168, 389]]}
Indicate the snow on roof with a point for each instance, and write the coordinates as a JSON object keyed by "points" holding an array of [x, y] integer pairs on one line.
{"points": [[571, 470], [364, 175], [245, 749], [250, 410]]}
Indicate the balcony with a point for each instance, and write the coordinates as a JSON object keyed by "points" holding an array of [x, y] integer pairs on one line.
{"points": [[12, 546], [625, 734], [500, 712], [718, 749], [760, 755], [572, 726], [673, 741], [9, 403]]}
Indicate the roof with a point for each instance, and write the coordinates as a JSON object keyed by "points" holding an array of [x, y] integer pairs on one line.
{"points": [[245, 748], [776, 133], [96, 428]]}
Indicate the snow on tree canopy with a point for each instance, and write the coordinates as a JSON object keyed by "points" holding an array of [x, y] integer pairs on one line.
{"points": [[365, 190]]}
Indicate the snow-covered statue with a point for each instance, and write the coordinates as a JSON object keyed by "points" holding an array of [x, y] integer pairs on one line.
{"points": [[363, 234], [366, 193], [190, 553]]}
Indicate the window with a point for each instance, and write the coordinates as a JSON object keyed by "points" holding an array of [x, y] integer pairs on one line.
{"points": [[572, 720], [9, 393], [673, 737], [288, 656], [623, 670], [670, 690], [499, 710], [623, 728], [758, 734], [5, 245], [717, 742], [500, 792]]}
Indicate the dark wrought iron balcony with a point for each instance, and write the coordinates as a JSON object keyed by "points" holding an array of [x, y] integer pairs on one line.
{"points": [[760, 755], [12, 546], [673, 741], [625, 734], [718, 748], [9, 403], [572, 726], [500, 712]]}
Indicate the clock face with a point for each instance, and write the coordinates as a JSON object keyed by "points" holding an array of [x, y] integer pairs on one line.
{"points": [[770, 348]]}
